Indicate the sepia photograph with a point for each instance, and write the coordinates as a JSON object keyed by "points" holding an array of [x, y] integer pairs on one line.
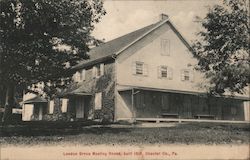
{"points": [[124, 80]]}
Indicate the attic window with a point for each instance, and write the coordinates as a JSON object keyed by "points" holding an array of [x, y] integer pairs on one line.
{"points": [[165, 47]]}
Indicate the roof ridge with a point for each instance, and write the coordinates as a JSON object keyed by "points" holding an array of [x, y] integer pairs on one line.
{"points": [[126, 34]]}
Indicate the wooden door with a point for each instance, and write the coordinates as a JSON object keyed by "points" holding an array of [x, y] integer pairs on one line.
{"points": [[187, 110], [40, 114], [79, 107]]}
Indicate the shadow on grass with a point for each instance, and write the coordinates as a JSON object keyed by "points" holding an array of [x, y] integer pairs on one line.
{"points": [[58, 129], [90, 127]]}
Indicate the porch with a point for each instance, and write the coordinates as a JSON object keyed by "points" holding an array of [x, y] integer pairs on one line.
{"points": [[76, 104], [164, 106], [180, 120]]}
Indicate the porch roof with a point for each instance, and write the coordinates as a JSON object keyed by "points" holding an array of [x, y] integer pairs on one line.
{"points": [[36, 99], [74, 93], [126, 88]]}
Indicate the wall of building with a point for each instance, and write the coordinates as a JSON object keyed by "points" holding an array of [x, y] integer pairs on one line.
{"points": [[104, 84], [148, 50], [123, 108]]}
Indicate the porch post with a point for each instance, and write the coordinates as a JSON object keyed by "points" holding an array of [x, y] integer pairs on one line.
{"points": [[132, 98]]}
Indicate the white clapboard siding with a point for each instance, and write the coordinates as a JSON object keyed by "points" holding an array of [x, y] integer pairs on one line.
{"points": [[64, 104], [98, 101], [182, 75], [159, 71], [134, 68], [191, 75]]}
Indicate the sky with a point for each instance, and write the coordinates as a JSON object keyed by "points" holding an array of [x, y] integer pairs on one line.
{"points": [[124, 16]]}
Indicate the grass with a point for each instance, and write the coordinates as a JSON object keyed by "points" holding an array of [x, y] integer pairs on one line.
{"points": [[184, 133]]}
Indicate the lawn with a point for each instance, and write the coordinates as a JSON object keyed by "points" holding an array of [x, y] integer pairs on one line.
{"points": [[171, 133]]}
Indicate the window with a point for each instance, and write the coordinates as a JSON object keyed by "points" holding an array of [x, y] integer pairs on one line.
{"points": [[140, 68], [165, 47], [51, 106], [98, 70], [186, 75], [64, 105], [79, 76], [165, 72], [98, 101]]}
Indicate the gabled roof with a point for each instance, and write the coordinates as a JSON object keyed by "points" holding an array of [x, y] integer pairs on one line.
{"points": [[36, 99], [114, 47]]}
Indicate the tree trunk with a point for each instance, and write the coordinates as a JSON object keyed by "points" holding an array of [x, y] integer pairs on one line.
{"points": [[9, 103]]}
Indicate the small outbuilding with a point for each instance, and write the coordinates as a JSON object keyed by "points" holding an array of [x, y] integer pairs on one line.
{"points": [[34, 109]]}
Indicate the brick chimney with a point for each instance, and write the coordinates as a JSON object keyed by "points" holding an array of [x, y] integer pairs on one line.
{"points": [[163, 17]]}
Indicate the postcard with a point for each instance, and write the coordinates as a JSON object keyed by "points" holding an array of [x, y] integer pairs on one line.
{"points": [[118, 80]]}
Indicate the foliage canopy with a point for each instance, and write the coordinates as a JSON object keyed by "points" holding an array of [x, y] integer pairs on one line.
{"points": [[223, 47]]}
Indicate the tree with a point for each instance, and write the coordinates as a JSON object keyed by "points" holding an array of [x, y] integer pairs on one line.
{"points": [[222, 47], [41, 40]]}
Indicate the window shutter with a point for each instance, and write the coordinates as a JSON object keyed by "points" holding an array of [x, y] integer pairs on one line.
{"points": [[83, 75], [102, 69], [94, 72], [77, 76], [170, 73], [159, 71], [64, 105], [51, 106], [134, 68], [145, 69], [98, 101], [191, 76], [182, 75]]}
